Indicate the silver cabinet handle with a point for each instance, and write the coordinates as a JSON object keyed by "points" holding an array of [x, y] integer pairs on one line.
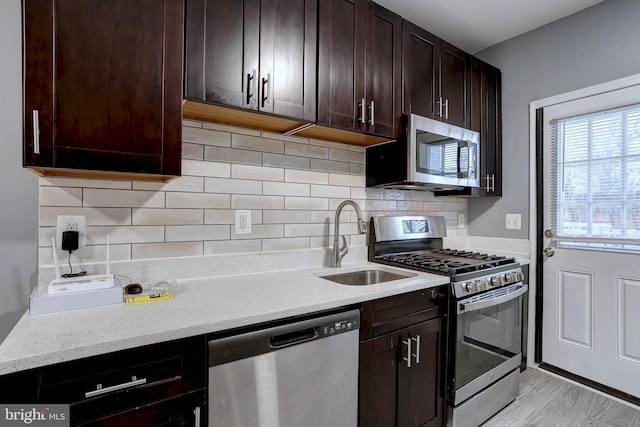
{"points": [[408, 358], [446, 109], [196, 416], [439, 103], [491, 182], [99, 390], [417, 353], [36, 132], [372, 113], [362, 106], [251, 81], [266, 88]]}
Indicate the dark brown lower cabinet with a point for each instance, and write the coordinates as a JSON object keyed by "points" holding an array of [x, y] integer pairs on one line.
{"points": [[186, 410], [156, 385], [401, 372]]}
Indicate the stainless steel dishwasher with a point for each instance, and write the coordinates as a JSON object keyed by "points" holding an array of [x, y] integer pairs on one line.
{"points": [[298, 374]]}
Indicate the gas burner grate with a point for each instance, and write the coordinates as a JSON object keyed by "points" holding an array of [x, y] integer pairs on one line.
{"points": [[453, 265], [469, 254]]}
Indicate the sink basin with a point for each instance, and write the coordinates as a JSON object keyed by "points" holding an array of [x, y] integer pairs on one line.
{"points": [[366, 277]]}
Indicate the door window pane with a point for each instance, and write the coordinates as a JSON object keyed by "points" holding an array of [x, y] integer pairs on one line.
{"points": [[597, 159]]}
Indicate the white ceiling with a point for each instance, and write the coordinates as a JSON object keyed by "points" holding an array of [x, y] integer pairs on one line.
{"points": [[473, 25]]}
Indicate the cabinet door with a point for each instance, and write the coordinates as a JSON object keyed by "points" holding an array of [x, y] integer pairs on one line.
{"points": [[491, 133], [288, 35], [341, 63], [102, 85], [454, 87], [378, 381], [222, 52], [420, 71], [419, 384], [383, 71], [186, 410], [475, 104]]}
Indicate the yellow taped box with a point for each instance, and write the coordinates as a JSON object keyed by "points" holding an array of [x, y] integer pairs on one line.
{"points": [[156, 296]]}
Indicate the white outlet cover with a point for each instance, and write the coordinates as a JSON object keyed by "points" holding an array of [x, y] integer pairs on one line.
{"points": [[242, 222], [63, 220], [462, 223]]}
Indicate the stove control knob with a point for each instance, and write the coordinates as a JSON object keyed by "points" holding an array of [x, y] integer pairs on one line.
{"points": [[513, 276], [470, 286], [482, 285], [496, 281]]}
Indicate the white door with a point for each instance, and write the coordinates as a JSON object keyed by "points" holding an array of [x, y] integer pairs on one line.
{"points": [[591, 271]]}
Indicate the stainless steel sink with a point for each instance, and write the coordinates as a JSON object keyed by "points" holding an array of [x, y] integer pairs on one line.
{"points": [[366, 277]]}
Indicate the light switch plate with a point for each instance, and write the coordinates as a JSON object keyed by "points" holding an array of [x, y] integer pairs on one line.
{"points": [[514, 222]]}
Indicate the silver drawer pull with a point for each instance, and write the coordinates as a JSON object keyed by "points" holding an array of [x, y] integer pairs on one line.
{"points": [[99, 390]]}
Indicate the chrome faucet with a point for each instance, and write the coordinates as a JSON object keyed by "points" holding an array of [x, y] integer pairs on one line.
{"points": [[339, 251]]}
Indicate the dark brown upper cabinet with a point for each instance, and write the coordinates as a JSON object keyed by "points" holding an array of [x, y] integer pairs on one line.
{"points": [[102, 87], [420, 70], [486, 118], [435, 77], [359, 67], [257, 55], [454, 85], [491, 131]]}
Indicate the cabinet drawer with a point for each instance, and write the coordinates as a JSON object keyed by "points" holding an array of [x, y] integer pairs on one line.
{"points": [[392, 313], [104, 385]]}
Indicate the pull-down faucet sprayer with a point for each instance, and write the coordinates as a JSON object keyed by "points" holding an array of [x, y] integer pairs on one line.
{"points": [[339, 251]]}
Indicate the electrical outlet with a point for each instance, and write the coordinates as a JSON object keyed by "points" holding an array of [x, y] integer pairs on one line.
{"points": [[243, 222], [513, 222], [462, 223], [71, 223]]}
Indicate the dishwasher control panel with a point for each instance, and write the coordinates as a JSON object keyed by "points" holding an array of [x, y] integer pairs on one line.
{"points": [[338, 327]]}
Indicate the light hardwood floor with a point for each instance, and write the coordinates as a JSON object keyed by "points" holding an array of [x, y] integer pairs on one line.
{"points": [[547, 401]]}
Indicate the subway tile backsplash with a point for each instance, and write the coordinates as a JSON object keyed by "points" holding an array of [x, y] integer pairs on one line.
{"points": [[292, 186]]}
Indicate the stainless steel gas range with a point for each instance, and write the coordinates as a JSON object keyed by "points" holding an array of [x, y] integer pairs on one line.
{"points": [[484, 348]]}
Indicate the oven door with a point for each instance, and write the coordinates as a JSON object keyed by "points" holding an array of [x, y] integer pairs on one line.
{"points": [[488, 343]]}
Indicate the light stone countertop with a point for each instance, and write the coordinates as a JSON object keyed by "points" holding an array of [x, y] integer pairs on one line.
{"points": [[199, 306]]}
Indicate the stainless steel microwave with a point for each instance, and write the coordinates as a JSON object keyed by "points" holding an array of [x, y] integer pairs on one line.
{"points": [[431, 155]]}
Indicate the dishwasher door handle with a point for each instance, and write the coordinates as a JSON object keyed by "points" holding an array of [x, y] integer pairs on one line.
{"points": [[292, 338]]}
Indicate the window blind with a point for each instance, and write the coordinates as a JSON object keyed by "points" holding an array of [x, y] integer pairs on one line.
{"points": [[596, 184]]}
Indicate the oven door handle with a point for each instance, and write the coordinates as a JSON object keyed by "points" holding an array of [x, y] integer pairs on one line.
{"points": [[479, 305]]}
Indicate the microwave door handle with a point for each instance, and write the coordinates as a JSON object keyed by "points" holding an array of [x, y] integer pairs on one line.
{"points": [[461, 145], [473, 306]]}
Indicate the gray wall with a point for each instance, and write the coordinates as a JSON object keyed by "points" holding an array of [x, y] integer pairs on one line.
{"points": [[18, 187], [596, 45]]}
